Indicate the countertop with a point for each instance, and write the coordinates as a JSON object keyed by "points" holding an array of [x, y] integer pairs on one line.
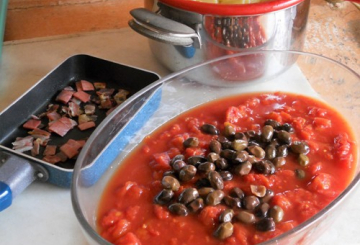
{"points": [[43, 213]]}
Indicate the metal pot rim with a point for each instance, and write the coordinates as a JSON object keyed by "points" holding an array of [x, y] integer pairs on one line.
{"points": [[231, 9]]}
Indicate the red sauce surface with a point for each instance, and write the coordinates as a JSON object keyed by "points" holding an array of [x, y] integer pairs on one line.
{"points": [[128, 215]]}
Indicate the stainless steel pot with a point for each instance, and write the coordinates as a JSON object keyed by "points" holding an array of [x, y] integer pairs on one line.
{"points": [[184, 33]]}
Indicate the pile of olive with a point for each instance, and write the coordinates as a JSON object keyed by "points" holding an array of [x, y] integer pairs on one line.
{"points": [[232, 153]]}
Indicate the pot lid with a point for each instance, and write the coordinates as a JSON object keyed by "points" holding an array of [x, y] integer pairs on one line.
{"points": [[231, 9]]}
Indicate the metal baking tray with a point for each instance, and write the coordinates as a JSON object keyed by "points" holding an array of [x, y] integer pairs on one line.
{"points": [[18, 170]]}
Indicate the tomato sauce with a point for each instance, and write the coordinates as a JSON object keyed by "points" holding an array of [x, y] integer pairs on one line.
{"points": [[128, 215]]}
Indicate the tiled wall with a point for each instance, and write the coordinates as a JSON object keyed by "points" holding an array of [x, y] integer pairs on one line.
{"points": [[40, 18]]}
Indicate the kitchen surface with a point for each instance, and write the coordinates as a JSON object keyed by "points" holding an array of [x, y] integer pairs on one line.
{"points": [[43, 213]]}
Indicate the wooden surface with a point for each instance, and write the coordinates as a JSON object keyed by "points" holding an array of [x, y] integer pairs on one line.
{"points": [[41, 18]]}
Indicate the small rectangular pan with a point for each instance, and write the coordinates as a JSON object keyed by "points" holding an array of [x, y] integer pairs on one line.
{"points": [[18, 170]]}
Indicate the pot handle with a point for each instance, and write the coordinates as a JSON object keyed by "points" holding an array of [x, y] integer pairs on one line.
{"points": [[15, 175], [162, 29]]}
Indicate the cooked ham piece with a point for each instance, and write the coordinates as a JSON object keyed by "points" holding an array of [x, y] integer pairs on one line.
{"points": [[53, 107], [71, 148], [81, 142], [52, 159], [106, 104], [62, 156], [36, 147], [83, 118], [23, 144], [50, 150], [105, 93], [62, 126], [74, 109], [78, 86], [86, 125], [87, 86], [83, 96], [75, 100], [99, 85], [32, 124], [53, 115], [65, 96], [42, 135], [39, 132], [89, 109], [121, 96]]}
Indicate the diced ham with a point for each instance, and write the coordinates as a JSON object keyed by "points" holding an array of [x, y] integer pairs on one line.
{"points": [[67, 121], [96, 100], [75, 100], [83, 96], [41, 135], [39, 132], [68, 150], [65, 110], [52, 159], [24, 148], [78, 86], [99, 85], [71, 148], [32, 124], [83, 118], [62, 126], [65, 96], [53, 107], [21, 142], [89, 109], [50, 150], [36, 147], [81, 142], [74, 109], [53, 115], [62, 156], [106, 104], [87, 86], [105, 93], [75, 144], [121, 96], [86, 125]]}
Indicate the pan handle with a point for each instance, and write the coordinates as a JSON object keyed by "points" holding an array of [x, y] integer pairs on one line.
{"points": [[15, 175], [162, 29]]}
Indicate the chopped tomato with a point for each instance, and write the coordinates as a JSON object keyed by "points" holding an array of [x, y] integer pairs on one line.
{"points": [[161, 212], [209, 216], [162, 161], [234, 114], [129, 239], [320, 122], [120, 229], [111, 218], [281, 201]]}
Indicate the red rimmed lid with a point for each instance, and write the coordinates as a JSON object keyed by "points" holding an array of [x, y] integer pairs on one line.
{"points": [[231, 9]]}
